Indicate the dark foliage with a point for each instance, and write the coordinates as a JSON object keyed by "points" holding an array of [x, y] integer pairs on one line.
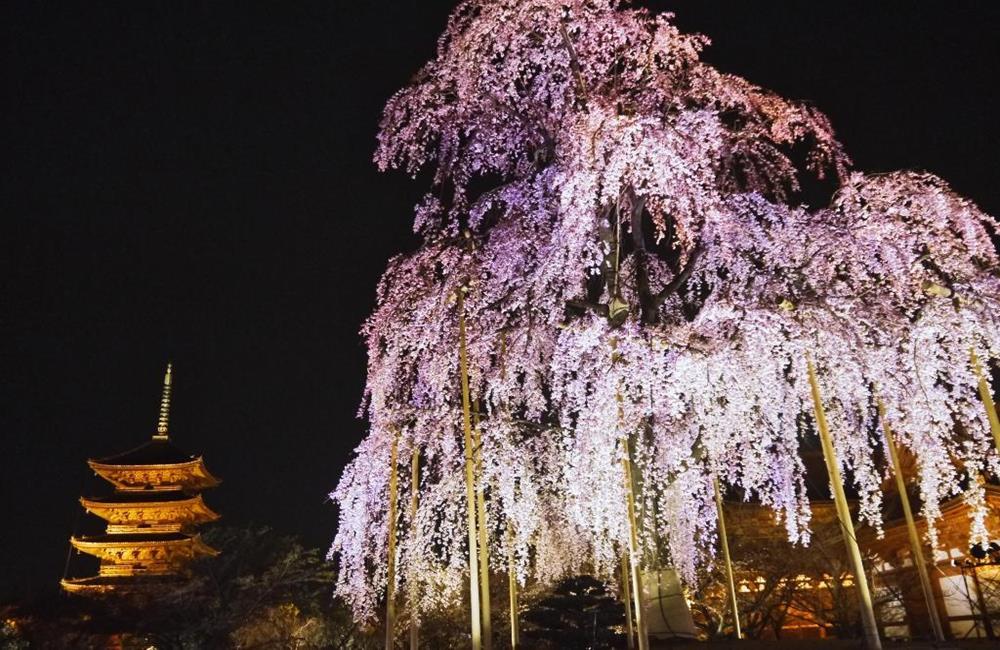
{"points": [[264, 590], [580, 613]]}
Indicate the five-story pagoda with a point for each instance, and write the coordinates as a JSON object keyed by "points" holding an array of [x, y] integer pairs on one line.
{"points": [[151, 516]]}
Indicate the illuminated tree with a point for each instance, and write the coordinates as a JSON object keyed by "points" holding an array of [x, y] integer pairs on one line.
{"points": [[641, 273]]}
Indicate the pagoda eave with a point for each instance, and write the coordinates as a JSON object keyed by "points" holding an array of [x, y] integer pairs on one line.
{"points": [[104, 585], [189, 475], [109, 547], [186, 512], [86, 586]]}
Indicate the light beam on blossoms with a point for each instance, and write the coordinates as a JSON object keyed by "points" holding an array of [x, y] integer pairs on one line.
{"points": [[595, 180]]}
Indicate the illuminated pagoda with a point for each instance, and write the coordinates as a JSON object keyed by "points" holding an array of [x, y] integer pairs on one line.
{"points": [[151, 516]]}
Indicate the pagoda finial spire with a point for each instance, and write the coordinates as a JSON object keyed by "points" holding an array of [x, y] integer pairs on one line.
{"points": [[162, 431]]}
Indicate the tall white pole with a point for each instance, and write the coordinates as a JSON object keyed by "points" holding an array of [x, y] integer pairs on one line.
{"points": [[915, 546], [724, 542], [987, 398], [390, 601], [484, 548], [515, 623], [470, 479], [512, 587], [414, 490], [627, 598], [872, 641], [633, 551]]}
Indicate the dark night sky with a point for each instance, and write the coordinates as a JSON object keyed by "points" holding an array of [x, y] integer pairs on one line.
{"points": [[193, 182]]}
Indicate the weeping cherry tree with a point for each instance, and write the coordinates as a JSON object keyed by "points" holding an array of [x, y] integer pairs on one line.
{"points": [[641, 278]]}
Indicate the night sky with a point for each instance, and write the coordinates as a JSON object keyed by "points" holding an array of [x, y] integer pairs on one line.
{"points": [[193, 183]]}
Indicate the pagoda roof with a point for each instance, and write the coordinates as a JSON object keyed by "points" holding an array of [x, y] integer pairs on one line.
{"points": [[149, 507], [158, 451], [106, 584], [101, 545], [130, 539], [132, 497], [156, 465]]}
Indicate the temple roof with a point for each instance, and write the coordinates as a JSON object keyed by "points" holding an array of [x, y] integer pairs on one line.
{"points": [[155, 465], [104, 545], [132, 497], [148, 508], [105, 584], [132, 538], [158, 451]]}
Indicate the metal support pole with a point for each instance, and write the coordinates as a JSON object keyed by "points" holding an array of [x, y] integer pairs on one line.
{"points": [[414, 489], [911, 528], [633, 526], [987, 397], [470, 479], [515, 623], [872, 641], [724, 542], [484, 549], [633, 551], [390, 602], [628, 602]]}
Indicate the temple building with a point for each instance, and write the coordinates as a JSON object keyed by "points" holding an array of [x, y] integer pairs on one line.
{"points": [[807, 592], [965, 584], [152, 514]]}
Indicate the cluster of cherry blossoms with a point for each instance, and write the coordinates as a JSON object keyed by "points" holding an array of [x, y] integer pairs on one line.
{"points": [[641, 281]]}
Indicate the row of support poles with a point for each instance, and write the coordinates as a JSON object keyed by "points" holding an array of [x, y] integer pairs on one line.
{"points": [[479, 590], [479, 595], [476, 511], [478, 537], [633, 549], [724, 542], [390, 601], [915, 546], [872, 640], [414, 491], [470, 478], [478, 534]]}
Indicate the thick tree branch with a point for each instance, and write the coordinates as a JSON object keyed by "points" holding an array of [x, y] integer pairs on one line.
{"points": [[674, 285], [584, 305], [574, 63], [646, 305]]}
